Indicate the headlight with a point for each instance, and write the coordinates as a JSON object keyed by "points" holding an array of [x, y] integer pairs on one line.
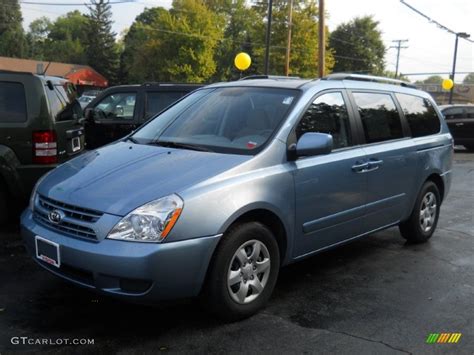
{"points": [[149, 223]]}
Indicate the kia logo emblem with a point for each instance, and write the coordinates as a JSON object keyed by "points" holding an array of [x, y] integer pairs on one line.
{"points": [[56, 216]]}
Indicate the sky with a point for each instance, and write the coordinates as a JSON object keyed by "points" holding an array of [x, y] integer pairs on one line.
{"points": [[430, 49]]}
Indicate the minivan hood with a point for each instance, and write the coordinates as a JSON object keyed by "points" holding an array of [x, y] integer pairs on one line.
{"points": [[120, 177]]}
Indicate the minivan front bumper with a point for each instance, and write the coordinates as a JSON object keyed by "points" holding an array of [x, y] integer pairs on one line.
{"points": [[141, 272]]}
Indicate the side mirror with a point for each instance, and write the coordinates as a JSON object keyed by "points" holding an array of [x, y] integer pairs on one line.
{"points": [[311, 144], [89, 114]]}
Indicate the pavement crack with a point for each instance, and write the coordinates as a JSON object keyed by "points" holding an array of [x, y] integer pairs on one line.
{"points": [[370, 340]]}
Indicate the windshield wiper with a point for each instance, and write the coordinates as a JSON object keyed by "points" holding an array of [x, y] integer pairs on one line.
{"points": [[181, 145], [131, 139]]}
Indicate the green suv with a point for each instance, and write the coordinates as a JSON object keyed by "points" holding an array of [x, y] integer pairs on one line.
{"points": [[40, 127]]}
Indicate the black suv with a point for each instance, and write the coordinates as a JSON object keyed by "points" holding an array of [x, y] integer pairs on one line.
{"points": [[460, 120], [119, 110], [39, 129]]}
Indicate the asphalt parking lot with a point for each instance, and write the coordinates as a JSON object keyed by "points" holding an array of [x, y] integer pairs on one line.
{"points": [[377, 295]]}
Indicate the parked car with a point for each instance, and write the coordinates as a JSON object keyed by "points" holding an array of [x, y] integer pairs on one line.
{"points": [[460, 120], [84, 100], [119, 110], [39, 129], [223, 188]]}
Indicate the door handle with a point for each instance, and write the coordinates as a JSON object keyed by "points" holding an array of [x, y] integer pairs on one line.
{"points": [[374, 164], [360, 167], [459, 124]]}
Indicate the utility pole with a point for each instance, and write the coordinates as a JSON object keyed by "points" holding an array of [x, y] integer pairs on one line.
{"points": [[288, 42], [465, 36], [268, 35], [398, 47], [322, 40]]}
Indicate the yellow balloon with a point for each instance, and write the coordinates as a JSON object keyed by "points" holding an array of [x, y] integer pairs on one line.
{"points": [[447, 84], [242, 61]]}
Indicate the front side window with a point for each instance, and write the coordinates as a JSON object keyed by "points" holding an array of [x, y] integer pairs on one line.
{"points": [[118, 106], [237, 120], [158, 101], [379, 115], [420, 114], [327, 114], [12, 102]]}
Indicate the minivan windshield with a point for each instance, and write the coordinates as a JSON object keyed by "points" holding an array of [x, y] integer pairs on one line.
{"points": [[238, 120]]}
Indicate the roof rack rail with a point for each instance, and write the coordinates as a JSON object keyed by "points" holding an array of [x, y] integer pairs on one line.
{"points": [[275, 77], [166, 83], [371, 78]]}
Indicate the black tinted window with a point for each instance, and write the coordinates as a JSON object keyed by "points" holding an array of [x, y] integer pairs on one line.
{"points": [[327, 114], [420, 114], [469, 112], [12, 102], [157, 101], [379, 116], [63, 103], [454, 113]]}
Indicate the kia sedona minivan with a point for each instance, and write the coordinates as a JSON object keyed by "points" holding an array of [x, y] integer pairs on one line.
{"points": [[215, 194]]}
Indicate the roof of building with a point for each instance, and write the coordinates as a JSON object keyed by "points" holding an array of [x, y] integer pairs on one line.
{"points": [[78, 74]]}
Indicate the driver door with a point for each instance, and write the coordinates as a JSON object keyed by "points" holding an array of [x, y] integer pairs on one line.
{"points": [[113, 117]]}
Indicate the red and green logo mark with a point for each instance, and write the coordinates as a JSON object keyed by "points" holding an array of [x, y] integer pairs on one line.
{"points": [[443, 338]]}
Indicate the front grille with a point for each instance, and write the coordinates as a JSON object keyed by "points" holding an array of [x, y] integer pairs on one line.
{"points": [[79, 213], [72, 213]]}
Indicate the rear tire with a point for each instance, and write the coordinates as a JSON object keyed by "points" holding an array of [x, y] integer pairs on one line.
{"points": [[3, 206], [243, 272], [424, 217]]}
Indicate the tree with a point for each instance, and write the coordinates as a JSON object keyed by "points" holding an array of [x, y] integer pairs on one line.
{"points": [[240, 22], [61, 41], [304, 42], [358, 46], [469, 79], [173, 45], [102, 50], [433, 79], [12, 36]]}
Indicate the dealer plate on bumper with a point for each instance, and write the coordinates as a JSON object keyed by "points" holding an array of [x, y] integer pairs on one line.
{"points": [[47, 251]]}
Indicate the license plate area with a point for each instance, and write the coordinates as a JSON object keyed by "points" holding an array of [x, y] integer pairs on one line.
{"points": [[47, 251], [76, 144]]}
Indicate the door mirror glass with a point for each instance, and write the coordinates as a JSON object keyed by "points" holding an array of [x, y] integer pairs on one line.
{"points": [[311, 144]]}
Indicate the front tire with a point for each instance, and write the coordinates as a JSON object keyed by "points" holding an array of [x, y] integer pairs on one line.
{"points": [[424, 217], [243, 272]]}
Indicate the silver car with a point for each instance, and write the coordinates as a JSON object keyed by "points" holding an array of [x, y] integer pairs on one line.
{"points": [[234, 181]]}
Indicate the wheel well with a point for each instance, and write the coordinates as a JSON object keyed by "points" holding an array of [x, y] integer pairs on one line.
{"points": [[271, 221], [439, 183]]}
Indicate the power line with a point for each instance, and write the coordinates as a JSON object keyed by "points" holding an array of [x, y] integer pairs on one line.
{"points": [[433, 21]]}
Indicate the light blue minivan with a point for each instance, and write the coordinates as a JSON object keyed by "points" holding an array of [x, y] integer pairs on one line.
{"points": [[211, 197]]}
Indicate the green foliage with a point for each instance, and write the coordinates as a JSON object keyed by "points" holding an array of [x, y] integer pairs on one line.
{"points": [[358, 46], [61, 41], [433, 79], [304, 41], [12, 36], [176, 45], [469, 79], [102, 50]]}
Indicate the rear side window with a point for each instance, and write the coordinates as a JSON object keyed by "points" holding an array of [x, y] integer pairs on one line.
{"points": [[12, 102], [63, 104], [470, 112], [454, 113], [158, 101], [379, 116], [420, 114], [327, 114]]}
